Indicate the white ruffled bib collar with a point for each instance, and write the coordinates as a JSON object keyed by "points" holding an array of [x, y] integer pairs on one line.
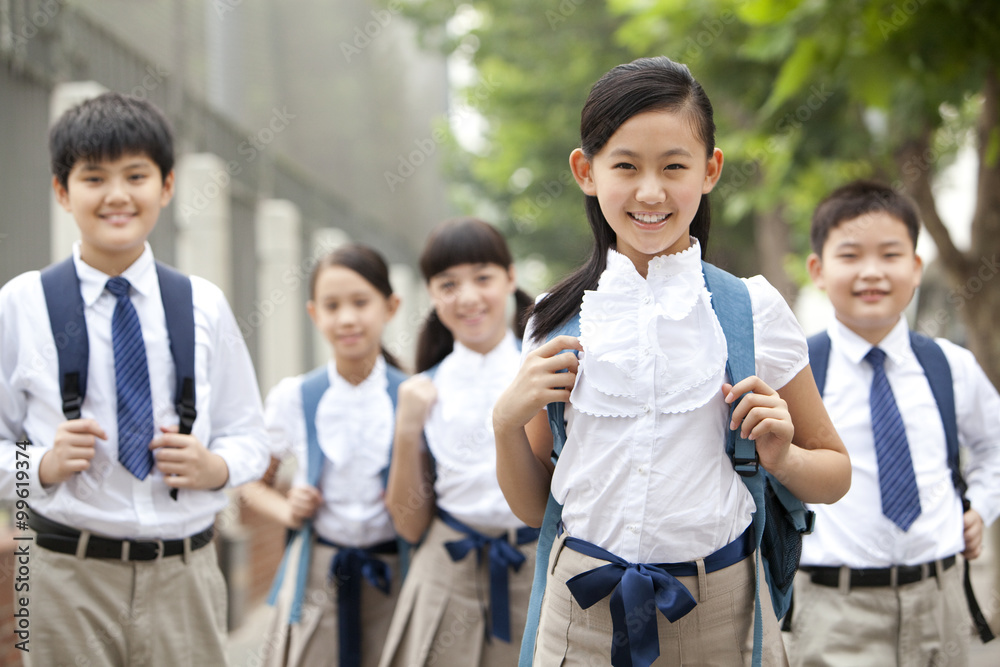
{"points": [[649, 336]]}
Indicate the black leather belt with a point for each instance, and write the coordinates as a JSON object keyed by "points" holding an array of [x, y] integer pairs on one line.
{"points": [[871, 577], [55, 536]]}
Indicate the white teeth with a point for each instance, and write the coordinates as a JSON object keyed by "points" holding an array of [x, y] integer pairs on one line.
{"points": [[649, 218]]}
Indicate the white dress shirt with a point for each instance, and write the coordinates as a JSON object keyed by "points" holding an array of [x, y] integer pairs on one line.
{"points": [[853, 531], [459, 434], [644, 473], [107, 499], [354, 425]]}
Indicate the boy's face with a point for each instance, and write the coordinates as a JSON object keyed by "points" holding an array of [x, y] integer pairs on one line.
{"points": [[115, 204], [870, 270]]}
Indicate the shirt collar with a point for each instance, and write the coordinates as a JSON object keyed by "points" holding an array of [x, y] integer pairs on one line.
{"points": [[376, 378], [141, 274], [896, 343], [685, 261], [471, 359]]}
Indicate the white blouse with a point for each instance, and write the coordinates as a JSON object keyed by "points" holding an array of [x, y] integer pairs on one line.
{"points": [[459, 433], [354, 426], [644, 472]]}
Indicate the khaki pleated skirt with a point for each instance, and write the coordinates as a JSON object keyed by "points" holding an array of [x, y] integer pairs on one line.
{"points": [[442, 615], [314, 640], [718, 631]]}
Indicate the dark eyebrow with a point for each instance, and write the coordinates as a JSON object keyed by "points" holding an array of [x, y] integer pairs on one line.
{"points": [[625, 152]]}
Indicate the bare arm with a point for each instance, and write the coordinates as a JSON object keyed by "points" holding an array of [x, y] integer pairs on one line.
{"points": [[815, 467], [520, 426], [289, 511], [409, 493]]}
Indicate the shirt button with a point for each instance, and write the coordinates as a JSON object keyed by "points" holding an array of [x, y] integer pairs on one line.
{"points": [[632, 528], [645, 408], [642, 469], [647, 299]]}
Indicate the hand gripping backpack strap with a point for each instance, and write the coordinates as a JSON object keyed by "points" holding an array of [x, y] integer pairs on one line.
{"points": [[64, 302], [314, 385], [553, 516], [178, 307]]}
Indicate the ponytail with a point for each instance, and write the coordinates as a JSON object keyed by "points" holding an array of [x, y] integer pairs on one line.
{"points": [[434, 343]]}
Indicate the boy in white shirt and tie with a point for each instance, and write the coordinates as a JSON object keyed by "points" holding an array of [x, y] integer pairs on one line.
{"points": [[123, 482], [879, 583]]}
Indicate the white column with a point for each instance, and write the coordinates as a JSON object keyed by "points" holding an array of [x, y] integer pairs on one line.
{"points": [[324, 241], [66, 95], [201, 206], [400, 337], [279, 290]]}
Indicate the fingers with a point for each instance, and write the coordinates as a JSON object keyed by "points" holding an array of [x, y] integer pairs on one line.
{"points": [[82, 427], [973, 535]]}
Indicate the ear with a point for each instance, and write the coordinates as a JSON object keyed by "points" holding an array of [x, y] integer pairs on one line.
{"points": [[168, 189], [918, 270], [512, 274], [713, 171], [62, 194], [311, 309], [392, 305], [815, 266], [583, 172]]}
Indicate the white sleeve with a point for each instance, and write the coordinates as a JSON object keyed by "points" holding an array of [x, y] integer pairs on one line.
{"points": [[236, 415], [977, 410], [780, 348]]}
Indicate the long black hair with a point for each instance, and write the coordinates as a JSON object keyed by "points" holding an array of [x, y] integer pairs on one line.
{"points": [[646, 84], [367, 263], [454, 242]]}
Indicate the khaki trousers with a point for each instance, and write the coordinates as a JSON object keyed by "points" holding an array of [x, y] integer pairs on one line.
{"points": [[109, 613], [920, 624], [717, 632]]}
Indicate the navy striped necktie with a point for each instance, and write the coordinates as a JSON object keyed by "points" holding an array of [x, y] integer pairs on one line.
{"points": [[135, 404], [897, 481]]}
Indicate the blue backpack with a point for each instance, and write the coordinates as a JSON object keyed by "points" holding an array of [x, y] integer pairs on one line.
{"points": [[314, 385], [938, 373], [64, 301], [777, 531]]}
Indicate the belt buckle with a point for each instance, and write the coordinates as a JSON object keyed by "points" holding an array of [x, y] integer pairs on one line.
{"points": [[127, 548]]}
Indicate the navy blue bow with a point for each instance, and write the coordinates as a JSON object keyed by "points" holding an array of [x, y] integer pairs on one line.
{"points": [[502, 555], [636, 590], [347, 568]]}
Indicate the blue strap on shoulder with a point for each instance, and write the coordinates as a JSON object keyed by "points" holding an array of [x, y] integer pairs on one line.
{"points": [[553, 516], [64, 302]]}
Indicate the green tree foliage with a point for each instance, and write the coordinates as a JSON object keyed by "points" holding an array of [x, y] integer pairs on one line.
{"points": [[808, 94]]}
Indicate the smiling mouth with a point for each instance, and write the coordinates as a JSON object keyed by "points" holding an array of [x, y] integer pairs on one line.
{"points": [[649, 218], [871, 294], [117, 218]]}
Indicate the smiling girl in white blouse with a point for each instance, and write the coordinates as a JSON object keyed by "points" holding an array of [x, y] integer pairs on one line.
{"points": [[465, 597], [648, 491], [337, 587]]}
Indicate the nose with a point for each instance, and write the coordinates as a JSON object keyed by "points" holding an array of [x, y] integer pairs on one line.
{"points": [[116, 191], [466, 294], [650, 190], [871, 268]]}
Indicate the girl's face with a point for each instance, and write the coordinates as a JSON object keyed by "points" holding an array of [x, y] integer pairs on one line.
{"points": [[649, 178], [471, 301], [350, 313]]}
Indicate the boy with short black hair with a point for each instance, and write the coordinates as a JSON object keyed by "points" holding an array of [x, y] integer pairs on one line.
{"points": [[123, 485], [879, 584]]}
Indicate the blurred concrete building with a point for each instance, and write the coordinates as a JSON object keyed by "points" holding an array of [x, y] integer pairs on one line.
{"points": [[299, 125]]}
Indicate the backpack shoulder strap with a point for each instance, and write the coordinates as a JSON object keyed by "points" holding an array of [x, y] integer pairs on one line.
{"points": [[178, 307], [938, 372], [557, 411], [64, 302], [314, 385], [819, 358], [731, 302]]}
